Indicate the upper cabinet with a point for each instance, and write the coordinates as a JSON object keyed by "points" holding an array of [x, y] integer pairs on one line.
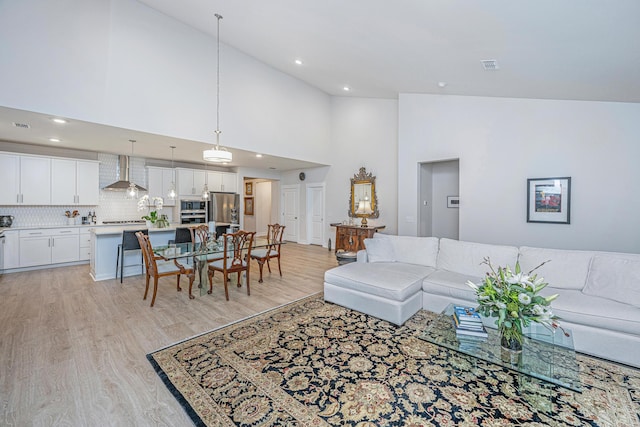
{"points": [[222, 181], [74, 182], [190, 182], [159, 181], [26, 180], [35, 180]]}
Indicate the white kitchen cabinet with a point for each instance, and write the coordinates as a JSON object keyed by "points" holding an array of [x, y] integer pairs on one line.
{"points": [[190, 182], [74, 182], [35, 178], [222, 181], [85, 244], [49, 246], [159, 182], [10, 178], [25, 180], [11, 249]]}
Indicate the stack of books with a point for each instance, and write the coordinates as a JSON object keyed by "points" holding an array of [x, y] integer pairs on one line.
{"points": [[468, 322]]}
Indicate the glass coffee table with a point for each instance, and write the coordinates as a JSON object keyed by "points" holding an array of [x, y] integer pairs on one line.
{"points": [[545, 355]]}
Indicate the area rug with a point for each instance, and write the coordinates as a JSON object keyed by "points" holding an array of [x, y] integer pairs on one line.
{"points": [[313, 363]]}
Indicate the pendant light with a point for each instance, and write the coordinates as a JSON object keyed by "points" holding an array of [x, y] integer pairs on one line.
{"points": [[205, 189], [218, 154], [132, 191], [172, 188]]}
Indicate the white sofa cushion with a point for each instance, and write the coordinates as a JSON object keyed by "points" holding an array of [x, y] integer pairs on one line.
{"points": [[392, 280], [450, 284], [615, 278], [409, 249], [573, 306], [379, 250], [466, 257], [567, 269]]}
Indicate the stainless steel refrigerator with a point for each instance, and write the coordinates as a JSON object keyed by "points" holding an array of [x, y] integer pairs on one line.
{"points": [[223, 208]]}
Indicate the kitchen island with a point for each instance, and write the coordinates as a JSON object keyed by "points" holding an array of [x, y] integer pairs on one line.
{"points": [[104, 249]]}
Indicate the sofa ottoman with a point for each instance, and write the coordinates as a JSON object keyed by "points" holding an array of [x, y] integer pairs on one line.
{"points": [[387, 290]]}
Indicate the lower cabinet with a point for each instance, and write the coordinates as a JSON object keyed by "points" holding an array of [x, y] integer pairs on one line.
{"points": [[11, 249], [85, 244], [49, 246]]}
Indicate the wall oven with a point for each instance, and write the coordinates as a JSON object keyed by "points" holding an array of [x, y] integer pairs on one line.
{"points": [[193, 212]]}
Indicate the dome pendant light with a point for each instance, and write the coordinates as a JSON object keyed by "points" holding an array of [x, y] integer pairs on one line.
{"points": [[218, 154], [132, 191]]}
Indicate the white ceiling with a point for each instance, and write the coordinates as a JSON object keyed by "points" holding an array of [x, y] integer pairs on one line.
{"points": [[569, 49]]}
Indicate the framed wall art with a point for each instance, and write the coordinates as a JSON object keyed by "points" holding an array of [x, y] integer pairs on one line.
{"points": [[248, 205], [453, 201], [248, 188], [549, 200]]}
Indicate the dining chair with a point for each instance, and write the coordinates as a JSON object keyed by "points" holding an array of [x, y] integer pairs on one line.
{"points": [[183, 235], [274, 239], [129, 243], [159, 266], [236, 258]]}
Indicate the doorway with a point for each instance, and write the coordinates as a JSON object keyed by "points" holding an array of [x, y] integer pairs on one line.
{"points": [[315, 214], [439, 188], [290, 212]]}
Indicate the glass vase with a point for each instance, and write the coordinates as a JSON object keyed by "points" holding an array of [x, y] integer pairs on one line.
{"points": [[511, 340]]}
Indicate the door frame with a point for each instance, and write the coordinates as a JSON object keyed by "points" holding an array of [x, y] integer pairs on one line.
{"points": [[309, 207]]}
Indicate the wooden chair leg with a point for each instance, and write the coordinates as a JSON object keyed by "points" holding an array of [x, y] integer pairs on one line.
{"points": [[210, 274], [260, 265], [239, 277], [146, 289], [155, 290], [179, 288], [248, 289], [192, 277], [268, 265], [279, 269], [226, 287]]}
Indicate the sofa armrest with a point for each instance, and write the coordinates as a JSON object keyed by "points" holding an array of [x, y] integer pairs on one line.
{"points": [[361, 256]]}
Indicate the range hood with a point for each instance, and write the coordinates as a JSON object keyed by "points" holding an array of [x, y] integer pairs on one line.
{"points": [[123, 176]]}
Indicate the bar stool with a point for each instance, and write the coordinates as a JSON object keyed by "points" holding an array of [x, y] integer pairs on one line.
{"points": [[183, 235], [129, 243]]}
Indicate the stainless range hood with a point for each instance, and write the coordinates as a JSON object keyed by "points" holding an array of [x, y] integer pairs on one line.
{"points": [[123, 174]]}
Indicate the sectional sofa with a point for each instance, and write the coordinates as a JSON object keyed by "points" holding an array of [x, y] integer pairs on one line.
{"points": [[599, 292]]}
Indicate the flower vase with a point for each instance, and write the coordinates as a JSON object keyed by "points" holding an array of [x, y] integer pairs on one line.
{"points": [[511, 339]]}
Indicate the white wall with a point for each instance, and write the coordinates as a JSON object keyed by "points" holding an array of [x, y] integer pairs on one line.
{"points": [[123, 64], [502, 141], [364, 132]]}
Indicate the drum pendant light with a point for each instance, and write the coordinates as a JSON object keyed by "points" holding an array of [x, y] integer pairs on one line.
{"points": [[218, 154]]}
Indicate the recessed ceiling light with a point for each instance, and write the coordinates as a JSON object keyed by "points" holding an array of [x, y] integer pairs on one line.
{"points": [[442, 84], [298, 61], [346, 88], [258, 155], [60, 121], [54, 140]]}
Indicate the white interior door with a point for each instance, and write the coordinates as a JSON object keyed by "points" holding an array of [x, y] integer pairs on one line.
{"points": [[290, 212], [315, 214], [262, 207]]}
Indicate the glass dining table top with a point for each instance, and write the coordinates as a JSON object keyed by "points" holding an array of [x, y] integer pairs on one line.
{"points": [[199, 254]]}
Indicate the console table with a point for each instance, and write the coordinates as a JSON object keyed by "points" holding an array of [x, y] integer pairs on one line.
{"points": [[350, 238]]}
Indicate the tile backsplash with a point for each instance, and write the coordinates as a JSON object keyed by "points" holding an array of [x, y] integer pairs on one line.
{"points": [[113, 204]]}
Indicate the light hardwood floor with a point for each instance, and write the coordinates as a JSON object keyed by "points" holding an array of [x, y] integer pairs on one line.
{"points": [[73, 351]]}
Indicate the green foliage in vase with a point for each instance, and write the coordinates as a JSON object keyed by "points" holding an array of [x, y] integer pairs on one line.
{"points": [[512, 297]]}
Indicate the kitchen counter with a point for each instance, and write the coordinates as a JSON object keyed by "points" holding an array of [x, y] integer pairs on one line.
{"points": [[104, 248]]}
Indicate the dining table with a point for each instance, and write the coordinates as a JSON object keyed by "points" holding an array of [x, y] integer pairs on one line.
{"points": [[199, 254]]}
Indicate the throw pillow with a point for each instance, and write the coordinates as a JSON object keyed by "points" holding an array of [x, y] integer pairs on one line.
{"points": [[379, 250], [614, 278]]}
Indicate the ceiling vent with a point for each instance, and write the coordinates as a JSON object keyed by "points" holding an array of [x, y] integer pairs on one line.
{"points": [[490, 64], [21, 125]]}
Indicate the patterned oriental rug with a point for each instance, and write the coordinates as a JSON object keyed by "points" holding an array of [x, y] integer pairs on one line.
{"points": [[312, 363]]}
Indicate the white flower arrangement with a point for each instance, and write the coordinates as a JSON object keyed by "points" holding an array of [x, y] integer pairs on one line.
{"points": [[145, 202]]}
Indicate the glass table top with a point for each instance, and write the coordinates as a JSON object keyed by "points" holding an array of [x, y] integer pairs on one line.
{"points": [[545, 355]]}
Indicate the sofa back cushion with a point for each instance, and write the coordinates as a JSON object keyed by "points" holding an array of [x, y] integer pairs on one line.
{"points": [[615, 277], [408, 249], [566, 269], [466, 257]]}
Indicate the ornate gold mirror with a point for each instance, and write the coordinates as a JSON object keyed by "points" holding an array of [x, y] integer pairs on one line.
{"points": [[364, 201]]}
